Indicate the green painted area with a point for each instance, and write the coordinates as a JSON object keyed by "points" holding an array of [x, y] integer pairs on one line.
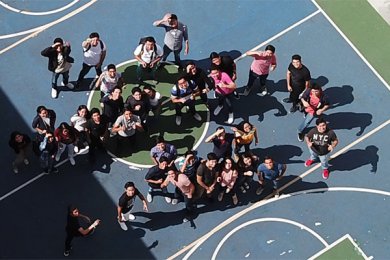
{"points": [[365, 28], [343, 250], [183, 137]]}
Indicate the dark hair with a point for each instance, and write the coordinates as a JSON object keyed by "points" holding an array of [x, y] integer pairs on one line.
{"points": [[160, 139], [150, 39], [71, 208], [315, 86], [228, 158], [93, 35], [182, 75], [267, 157], [190, 63], [116, 87], [212, 156], [189, 152], [136, 89], [320, 121], [296, 57], [173, 16], [148, 87], [270, 48], [129, 184], [58, 40], [214, 67], [111, 66], [220, 127], [95, 110], [214, 55], [241, 125], [163, 159], [127, 109], [40, 109]]}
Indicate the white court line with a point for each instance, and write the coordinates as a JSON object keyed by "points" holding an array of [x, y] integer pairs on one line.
{"points": [[259, 220], [37, 13], [352, 45], [42, 28]]}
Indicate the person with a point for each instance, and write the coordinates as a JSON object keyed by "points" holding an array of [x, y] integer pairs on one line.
{"points": [[244, 134], [201, 80], [163, 149], [79, 122], [43, 122], [109, 80], [98, 133], [270, 171], [154, 99], [20, 143], [315, 103], [175, 33], [139, 104], [222, 142], [59, 63], [206, 177], [247, 167], [94, 54], [263, 62], [226, 179], [183, 94], [67, 139], [224, 87], [74, 229], [225, 64], [126, 126], [126, 204], [298, 79], [155, 177], [148, 54], [113, 105], [189, 164], [48, 148], [184, 190], [321, 141]]}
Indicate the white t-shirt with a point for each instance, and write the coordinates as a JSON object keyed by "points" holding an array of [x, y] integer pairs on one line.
{"points": [[78, 122], [108, 83], [92, 56], [147, 55]]}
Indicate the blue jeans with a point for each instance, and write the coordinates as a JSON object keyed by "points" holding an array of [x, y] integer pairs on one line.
{"points": [[323, 158], [55, 76], [305, 123]]}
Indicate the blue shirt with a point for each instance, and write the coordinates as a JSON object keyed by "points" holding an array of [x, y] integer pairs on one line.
{"points": [[270, 174], [184, 92]]}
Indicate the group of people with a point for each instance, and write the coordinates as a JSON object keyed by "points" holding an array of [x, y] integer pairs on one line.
{"points": [[227, 170]]}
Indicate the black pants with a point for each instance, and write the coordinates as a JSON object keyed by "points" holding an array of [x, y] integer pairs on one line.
{"points": [[176, 53], [225, 99], [294, 94], [86, 68], [253, 76], [191, 105], [189, 204], [69, 238], [238, 147]]}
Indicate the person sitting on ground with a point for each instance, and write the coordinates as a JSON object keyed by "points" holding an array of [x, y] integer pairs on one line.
{"points": [[98, 132], [155, 177], [224, 88], [154, 99], [138, 102], [67, 139], [43, 122], [270, 171], [247, 166], [163, 149], [48, 148], [189, 164], [222, 142], [79, 122], [201, 80], [148, 54], [227, 179], [113, 105], [183, 94], [206, 177], [315, 103], [21, 144], [109, 80], [244, 134]]}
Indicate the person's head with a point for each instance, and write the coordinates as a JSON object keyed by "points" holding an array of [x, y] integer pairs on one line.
{"points": [[246, 126], [190, 154], [227, 163], [82, 111], [172, 20], [222, 135], [65, 128], [94, 38], [149, 43], [315, 89], [212, 160], [95, 114], [163, 162], [269, 50], [16, 137], [50, 137], [73, 211], [172, 174], [136, 92], [127, 113], [215, 58], [296, 61], [247, 158], [182, 81], [268, 162], [59, 43], [160, 142], [130, 188], [42, 111], [321, 125], [215, 71], [111, 68], [148, 90], [191, 68], [116, 93]]}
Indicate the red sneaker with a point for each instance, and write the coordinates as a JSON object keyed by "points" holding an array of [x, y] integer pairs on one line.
{"points": [[308, 163], [325, 174]]}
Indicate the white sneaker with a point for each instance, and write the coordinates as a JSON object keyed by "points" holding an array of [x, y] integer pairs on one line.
{"points": [[15, 169], [54, 93], [174, 201], [58, 156], [76, 149], [178, 120], [72, 161], [123, 225], [231, 118], [168, 200], [26, 162], [70, 86], [197, 117], [217, 110], [62, 84], [131, 217], [264, 92], [220, 196], [149, 197]]}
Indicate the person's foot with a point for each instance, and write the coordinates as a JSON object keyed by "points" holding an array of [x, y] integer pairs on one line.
{"points": [[54, 170], [293, 109], [235, 94], [242, 189], [66, 253], [149, 197], [197, 117], [131, 217], [122, 225], [76, 149], [15, 169], [175, 201], [286, 100], [70, 86], [217, 110], [58, 156], [54, 93], [26, 161], [259, 190], [246, 92], [235, 199], [325, 174], [276, 194], [220, 196], [301, 137], [264, 92], [78, 85], [178, 120], [246, 185], [309, 163], [231, 118], [72, 161], [168, 200]]}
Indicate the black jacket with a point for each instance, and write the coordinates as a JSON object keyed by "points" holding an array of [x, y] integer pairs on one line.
{"points": [[51, 53]]}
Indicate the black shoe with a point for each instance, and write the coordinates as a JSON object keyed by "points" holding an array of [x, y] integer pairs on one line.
{"points": [[286, 100], [78, 85], [66, 253], [54, 170], [236, 96], [259, 190], [301, 137], [293, 109]]}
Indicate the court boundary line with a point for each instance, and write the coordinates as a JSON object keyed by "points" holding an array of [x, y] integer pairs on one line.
{"points": [[351, 44], [13, 9]]}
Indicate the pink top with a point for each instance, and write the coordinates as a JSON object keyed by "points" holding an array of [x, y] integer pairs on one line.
{"points": [[261, 63], [183, 183], [314, 102], [226, 80], [228, 178]]}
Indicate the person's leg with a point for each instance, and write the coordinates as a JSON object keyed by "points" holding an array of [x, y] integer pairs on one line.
{"points": [[61, 149], [166, 52], [228, 101], [98, 70], [54, 80], [324, 161], [177, 58], [68, 243], [139, 72], [305, 123], [84, 71], [65, 77], [178, 108], [191, 106], [263, 87], [313, 155], [251, 79]]}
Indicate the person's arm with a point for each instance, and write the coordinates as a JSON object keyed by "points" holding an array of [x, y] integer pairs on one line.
{"points": [[165, 182], [85, 44], [252, 53], [260, 177], [102, 57], [281, 174], [322, 110], [138, 56], [99, 81], [86, 231], [119, 210], [50, 50], [333, 145], [288, 79], [256, 136], [154, 159], [200, 182], [144, 202], [273, 63], [163, 20], [213, 136]]}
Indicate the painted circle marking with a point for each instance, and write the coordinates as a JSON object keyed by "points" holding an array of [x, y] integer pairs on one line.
{"points": [[13, 9]]}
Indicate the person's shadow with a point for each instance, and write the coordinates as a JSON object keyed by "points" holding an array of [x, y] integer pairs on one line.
{"points": [[300, 185], [340, 96], [280, 153], [349, 120], [205, 63], [354, 159]]}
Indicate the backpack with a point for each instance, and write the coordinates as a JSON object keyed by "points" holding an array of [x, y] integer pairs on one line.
{"points": [[101, 46], [143, 41]]}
